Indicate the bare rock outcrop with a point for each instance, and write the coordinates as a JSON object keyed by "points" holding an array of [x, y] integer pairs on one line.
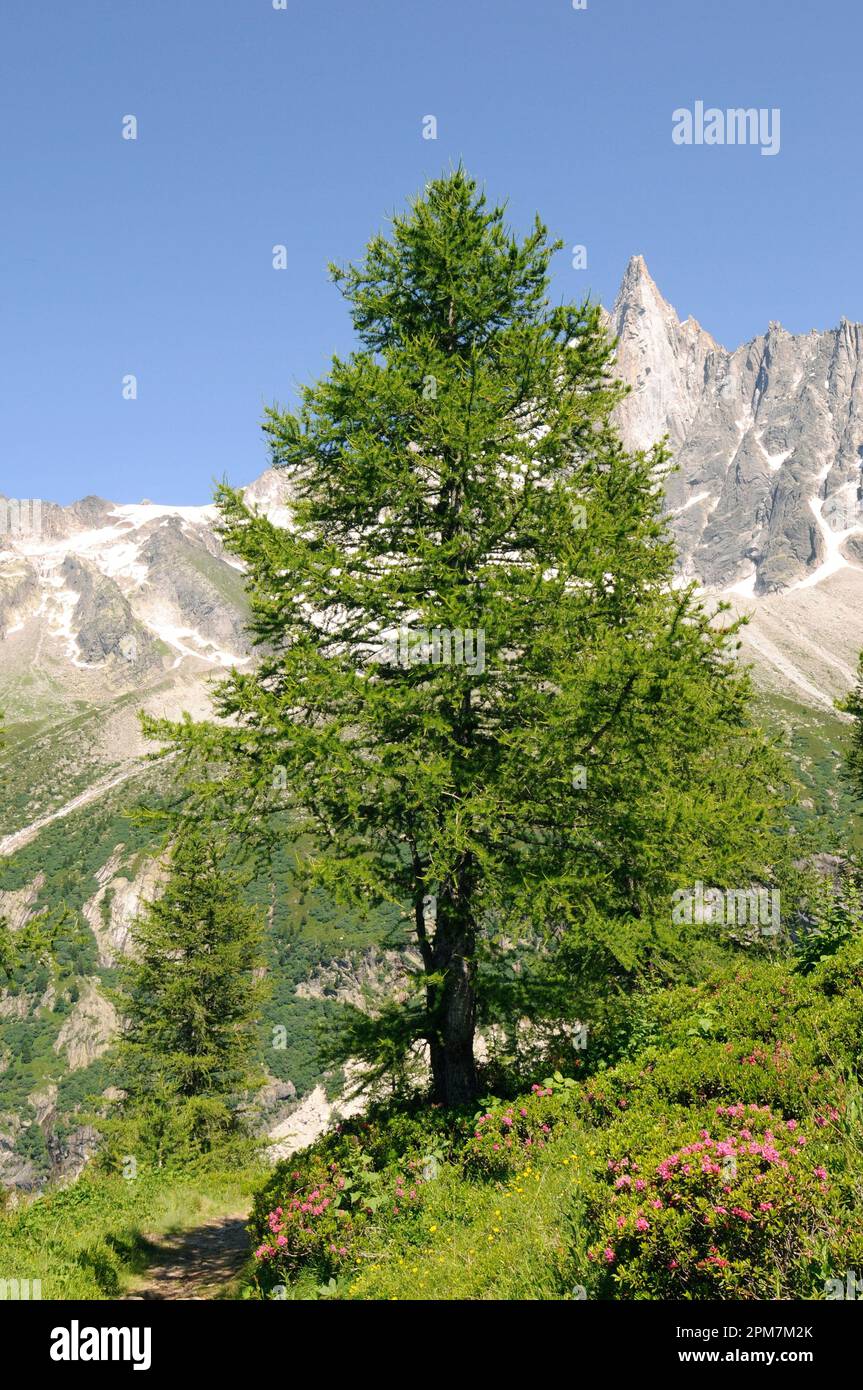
{"points": [[88, 1030], [768, 440]]}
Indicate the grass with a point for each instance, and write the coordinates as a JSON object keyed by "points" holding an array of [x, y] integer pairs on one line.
{"points": [[816, 741], [93, 1239], [522, 1238], [519, 1239]]}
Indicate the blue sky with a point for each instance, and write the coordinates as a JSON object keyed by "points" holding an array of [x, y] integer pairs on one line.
{"points": [[304, 127]]}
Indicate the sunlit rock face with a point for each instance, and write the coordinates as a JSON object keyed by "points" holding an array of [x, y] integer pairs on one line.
{"points": [[768, 440]]}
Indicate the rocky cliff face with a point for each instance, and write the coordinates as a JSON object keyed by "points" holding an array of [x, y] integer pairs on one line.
{"points": [[768, 440], [662, 359], [105, 610], [121, 590]]}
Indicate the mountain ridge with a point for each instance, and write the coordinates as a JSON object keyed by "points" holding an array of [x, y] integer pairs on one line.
{"points": [[767, 439]]}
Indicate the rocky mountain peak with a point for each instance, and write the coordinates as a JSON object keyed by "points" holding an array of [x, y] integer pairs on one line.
{"points": [[636, 276], [768, 440], [639, 293], [659, 356]]}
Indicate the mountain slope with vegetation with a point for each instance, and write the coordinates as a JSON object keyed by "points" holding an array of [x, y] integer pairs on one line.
{"points": [[718, 1156]]}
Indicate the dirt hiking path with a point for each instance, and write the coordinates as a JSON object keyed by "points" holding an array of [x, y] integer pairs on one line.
{"points": [[201, 1263]]}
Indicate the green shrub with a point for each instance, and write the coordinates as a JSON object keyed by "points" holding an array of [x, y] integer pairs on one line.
{"points": [[316, 1211], [509, 1133], [741, 1210], [312, 1222]]}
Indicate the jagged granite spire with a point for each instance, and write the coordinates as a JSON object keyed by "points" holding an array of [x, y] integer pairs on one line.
{"points": [[768, 439], [660, 357]]}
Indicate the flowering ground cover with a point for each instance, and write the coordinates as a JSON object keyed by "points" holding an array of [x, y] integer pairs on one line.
{"points": [[720, 1156]]}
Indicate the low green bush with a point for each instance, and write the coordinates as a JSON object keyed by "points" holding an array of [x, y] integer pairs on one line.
{"points": [[742, 1210]]}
